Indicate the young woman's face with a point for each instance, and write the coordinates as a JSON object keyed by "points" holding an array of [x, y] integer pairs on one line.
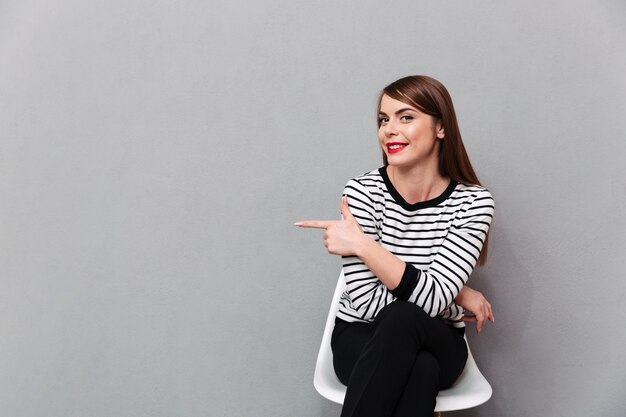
{"points": [[408, 136]]}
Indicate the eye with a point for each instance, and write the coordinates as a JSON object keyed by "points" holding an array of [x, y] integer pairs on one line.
{"points": [[406, 118], [382, 120]]}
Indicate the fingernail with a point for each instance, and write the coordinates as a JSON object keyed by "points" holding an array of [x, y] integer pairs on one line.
{"points": [[297, 224]]}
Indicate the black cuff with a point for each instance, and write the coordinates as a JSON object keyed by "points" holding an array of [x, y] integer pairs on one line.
{"points": [[407, 284]]}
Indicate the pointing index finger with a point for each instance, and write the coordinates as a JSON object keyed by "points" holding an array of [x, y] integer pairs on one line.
{"points": [[315, 224]]}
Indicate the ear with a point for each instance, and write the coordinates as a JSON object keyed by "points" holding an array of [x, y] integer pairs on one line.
{"points": [[439, 129]]}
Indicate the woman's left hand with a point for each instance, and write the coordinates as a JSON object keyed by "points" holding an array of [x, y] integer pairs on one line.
{"points": [[342, 237], [476, 303]]}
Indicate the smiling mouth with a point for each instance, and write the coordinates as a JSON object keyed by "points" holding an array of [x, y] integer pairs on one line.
{"points": [[395, 147]]}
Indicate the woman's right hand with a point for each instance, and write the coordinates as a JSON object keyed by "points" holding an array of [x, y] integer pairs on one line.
{"points": [[342, 237], [476, 303]]}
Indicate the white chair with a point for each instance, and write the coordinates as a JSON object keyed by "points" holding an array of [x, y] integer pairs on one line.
{"points": [[470, 390]]}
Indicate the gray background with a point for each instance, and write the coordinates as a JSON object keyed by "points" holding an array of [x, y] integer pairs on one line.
{"points": [[154, 155]]}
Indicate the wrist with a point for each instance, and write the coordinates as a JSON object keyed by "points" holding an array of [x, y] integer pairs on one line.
{"points": [[363, 247]]}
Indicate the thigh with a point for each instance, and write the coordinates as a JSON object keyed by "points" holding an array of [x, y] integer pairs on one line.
{"points": [[347, 342], [444, 342]]}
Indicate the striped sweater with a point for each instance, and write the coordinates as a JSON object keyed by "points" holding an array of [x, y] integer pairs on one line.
{"points": [[439, 239]]}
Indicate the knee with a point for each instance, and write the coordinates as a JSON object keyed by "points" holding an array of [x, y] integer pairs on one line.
{"points": [[401, 317], [401, 312]]}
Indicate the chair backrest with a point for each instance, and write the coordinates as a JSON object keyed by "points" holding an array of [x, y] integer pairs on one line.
{"points": [[470, 390]]}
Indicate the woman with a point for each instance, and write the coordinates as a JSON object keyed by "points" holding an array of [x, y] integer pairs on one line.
{"points": [[411, 235]]}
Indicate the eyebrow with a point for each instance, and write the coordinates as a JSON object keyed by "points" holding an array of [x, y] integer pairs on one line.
{"points": [[400, 111]]}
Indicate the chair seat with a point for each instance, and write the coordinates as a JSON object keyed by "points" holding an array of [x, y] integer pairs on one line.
{"points": [[470, 390]]}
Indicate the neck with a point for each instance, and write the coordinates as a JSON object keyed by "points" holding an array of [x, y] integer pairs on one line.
{"points": [[417, 184]]}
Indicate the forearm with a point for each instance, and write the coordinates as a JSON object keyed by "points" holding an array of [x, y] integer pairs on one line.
{"points": [[476, 303], [461, 296], [431, 290], [384, 264]]}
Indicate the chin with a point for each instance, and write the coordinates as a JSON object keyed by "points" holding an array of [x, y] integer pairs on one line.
{"points": [[397, 162]]}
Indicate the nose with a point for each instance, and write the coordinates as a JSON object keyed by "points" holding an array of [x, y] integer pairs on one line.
{"points": [[390, 129]]}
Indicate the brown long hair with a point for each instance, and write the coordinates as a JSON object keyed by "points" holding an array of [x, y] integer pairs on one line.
{"points": [[431, 97]]}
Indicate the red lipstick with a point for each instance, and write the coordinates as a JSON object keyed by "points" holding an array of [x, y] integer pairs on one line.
{"points": [[395, 147]]}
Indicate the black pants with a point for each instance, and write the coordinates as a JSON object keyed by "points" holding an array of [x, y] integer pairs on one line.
{"points": [[395, 366]]}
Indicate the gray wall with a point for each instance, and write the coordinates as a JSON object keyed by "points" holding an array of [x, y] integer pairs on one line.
{"points": [[154, 155]]}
